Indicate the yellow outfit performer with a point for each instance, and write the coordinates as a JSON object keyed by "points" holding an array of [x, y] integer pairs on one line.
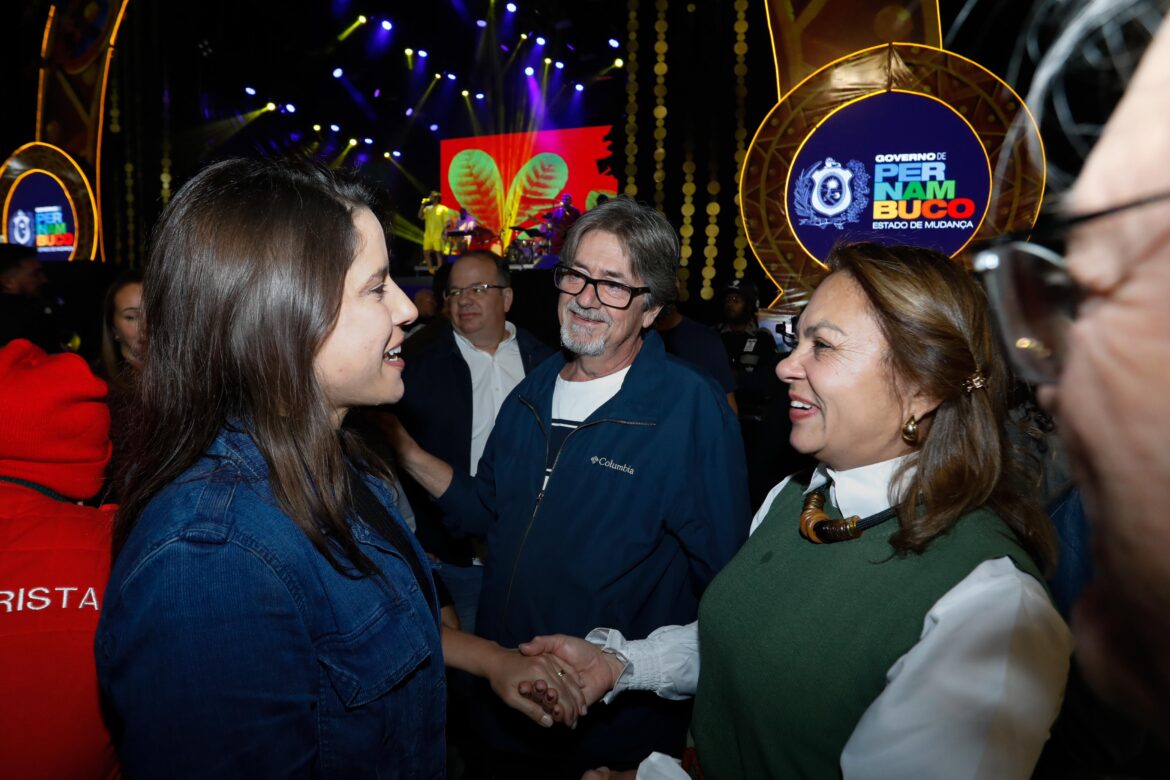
{"points": [[436, 219]]}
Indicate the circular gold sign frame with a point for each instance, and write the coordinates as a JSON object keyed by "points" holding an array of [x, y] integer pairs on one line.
{"points": [[995, 112]]}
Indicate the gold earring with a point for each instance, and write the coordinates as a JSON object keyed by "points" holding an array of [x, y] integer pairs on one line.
{"points": [[910, 431]]}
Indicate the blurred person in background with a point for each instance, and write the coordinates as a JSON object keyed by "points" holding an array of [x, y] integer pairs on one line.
{"points": [[54, 563]]}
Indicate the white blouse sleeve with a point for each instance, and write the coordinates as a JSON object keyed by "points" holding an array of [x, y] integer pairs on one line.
{"points": [[660, 766], [667, 661], [975, 697]]}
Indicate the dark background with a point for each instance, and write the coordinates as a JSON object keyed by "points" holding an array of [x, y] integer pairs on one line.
{"points": [[180, 71]]}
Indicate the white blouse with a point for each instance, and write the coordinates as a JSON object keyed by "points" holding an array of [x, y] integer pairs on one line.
{"points": [[973, 698]]}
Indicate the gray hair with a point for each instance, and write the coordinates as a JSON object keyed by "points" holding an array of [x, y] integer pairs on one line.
{"points": [[646, 237]]}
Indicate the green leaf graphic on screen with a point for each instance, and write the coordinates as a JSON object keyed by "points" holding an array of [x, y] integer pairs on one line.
{"points": [[476, 183]]}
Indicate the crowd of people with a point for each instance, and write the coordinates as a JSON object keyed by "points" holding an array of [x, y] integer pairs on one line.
{"points": [[339, 550]]}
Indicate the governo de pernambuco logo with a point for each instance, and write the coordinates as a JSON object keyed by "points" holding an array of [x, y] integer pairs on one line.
{"points": [[916, 174]]}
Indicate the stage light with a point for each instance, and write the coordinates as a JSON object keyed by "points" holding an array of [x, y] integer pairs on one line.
{"points": [[271, 106], [249, 90], [409, 52], [480, 23], [529, 71], [338, 73], [579, 87], [618, 62], [422, 53], [378, 92], [368, 141], [434, 128], [450, 77], [548, 60], [316, 128], [335, 128], [523, 36], [540, 40], [613, 43], [396, 153], [386, 155], [465, 93], [511, 8], [559, 65], [353, 142], [349, 30], [386, 25], [410, 112], [438, 75], [289, 107], [479, 96]]}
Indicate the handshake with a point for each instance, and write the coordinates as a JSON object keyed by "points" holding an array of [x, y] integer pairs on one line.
{"points": [[554, 679]]}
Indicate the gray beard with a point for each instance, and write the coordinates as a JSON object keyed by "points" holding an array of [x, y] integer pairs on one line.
{"points": [[581, 346]]}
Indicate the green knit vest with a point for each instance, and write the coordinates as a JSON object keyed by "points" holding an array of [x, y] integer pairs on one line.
{"points": [[796, 638]]}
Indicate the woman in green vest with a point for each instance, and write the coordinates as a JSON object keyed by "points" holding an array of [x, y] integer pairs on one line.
{"points": [[887, 617]]}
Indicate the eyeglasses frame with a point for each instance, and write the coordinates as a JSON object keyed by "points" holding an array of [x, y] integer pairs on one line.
{"points": [[589, 280], [456, 292], [987, 262]]}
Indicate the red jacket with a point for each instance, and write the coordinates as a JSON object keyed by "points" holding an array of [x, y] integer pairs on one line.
{"points": [[54, 563]]}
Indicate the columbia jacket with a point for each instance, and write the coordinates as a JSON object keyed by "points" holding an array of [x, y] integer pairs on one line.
{"points": [[646, 502]]}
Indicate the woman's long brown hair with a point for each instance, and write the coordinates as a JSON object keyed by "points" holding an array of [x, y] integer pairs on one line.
{"points": [[936, 321], [243, 285]]}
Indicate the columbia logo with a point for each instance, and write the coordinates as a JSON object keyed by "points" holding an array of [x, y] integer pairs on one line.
{"points": [[609, 464]]}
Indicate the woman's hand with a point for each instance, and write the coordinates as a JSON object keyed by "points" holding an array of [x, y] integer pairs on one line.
{"points": [[598, 671], [507, 670], [561, 699]]}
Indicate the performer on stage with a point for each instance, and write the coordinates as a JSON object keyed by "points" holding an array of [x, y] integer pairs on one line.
{"points": [[560, 220], [436, 221]]}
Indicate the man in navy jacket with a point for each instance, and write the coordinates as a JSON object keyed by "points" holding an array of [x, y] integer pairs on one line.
{"points": [[611, 492], [455, 384]]}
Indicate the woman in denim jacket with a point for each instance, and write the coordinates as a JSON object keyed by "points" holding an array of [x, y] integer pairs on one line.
{"points": [[269, 614]]}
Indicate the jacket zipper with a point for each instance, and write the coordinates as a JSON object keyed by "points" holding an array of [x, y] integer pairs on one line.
{"points": [[540, 494]]}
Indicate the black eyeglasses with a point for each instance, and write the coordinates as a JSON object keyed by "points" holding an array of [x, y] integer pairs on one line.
{"points": [[1033, 297], [612, 294], [475, 290]]}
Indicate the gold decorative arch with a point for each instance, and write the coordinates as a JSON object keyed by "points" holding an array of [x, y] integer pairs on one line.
{"points": [[57, 164], [994, 111], [77, 49]]}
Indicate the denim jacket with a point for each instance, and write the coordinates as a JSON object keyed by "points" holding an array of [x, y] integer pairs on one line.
{"points": [[228, 646]]}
